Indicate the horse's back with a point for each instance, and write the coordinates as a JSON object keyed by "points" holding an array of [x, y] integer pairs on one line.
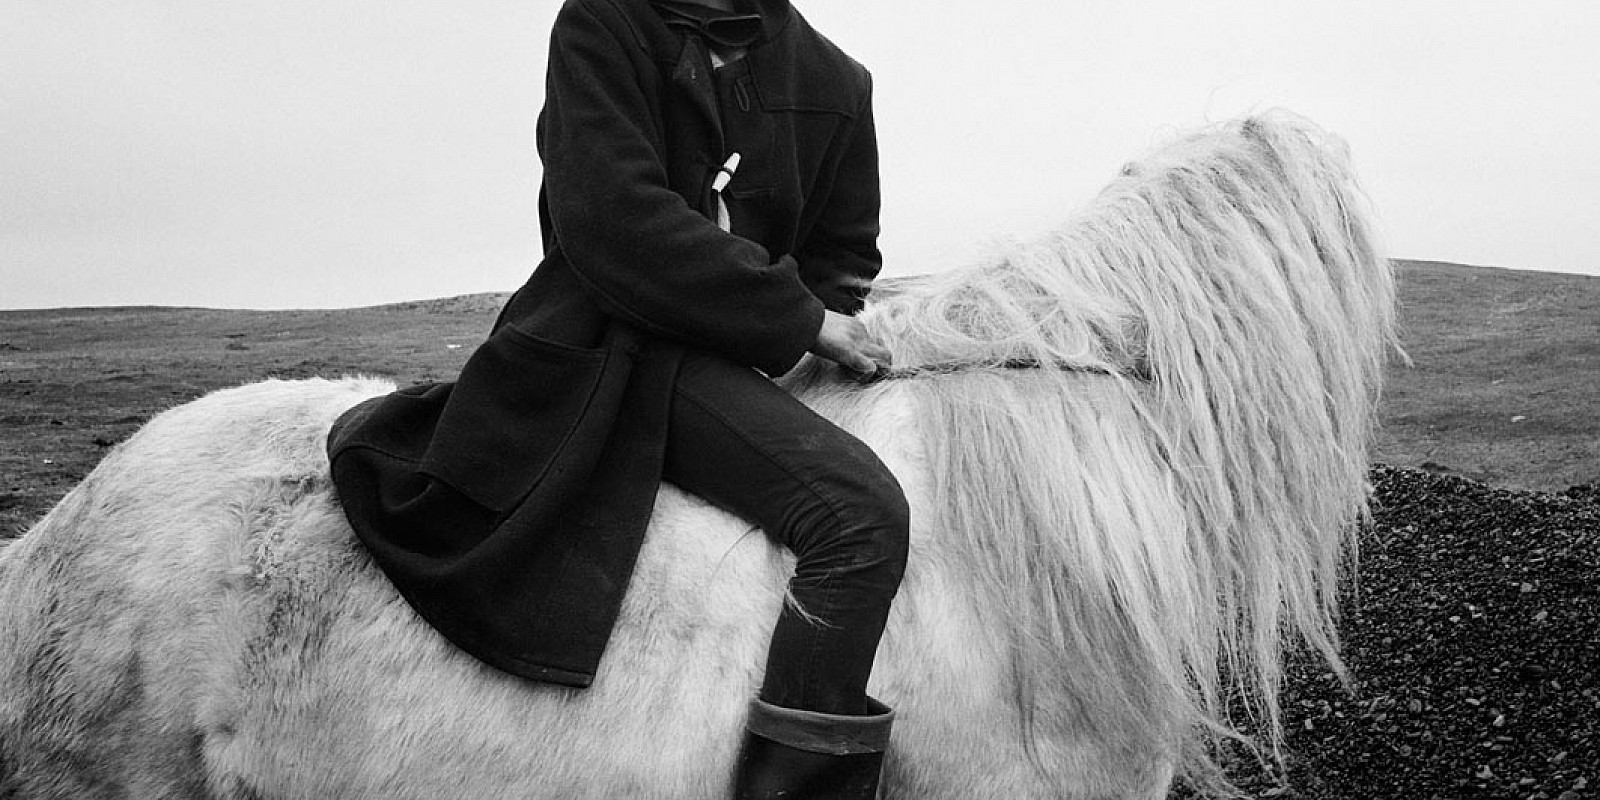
{"points": [[197, 620]]}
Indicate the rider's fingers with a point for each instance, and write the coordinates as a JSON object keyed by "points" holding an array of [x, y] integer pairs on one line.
{"points": [[879, 354]]}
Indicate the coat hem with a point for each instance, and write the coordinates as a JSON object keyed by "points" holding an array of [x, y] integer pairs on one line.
{"points": [[510, 664]]}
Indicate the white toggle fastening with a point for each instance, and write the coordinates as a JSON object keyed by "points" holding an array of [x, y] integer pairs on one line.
{"points": [[724, 177], [725, 174]]}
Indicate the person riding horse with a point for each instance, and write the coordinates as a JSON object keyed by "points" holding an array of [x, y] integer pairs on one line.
{"points": [[710, 213]]}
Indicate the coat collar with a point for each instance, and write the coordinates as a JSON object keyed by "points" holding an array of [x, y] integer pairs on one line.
{"points": [[753, 21], [690, 68]]}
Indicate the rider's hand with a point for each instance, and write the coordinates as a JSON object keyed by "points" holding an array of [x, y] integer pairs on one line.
{"points": [[845, 340]]}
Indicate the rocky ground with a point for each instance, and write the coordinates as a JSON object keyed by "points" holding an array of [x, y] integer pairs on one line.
{"points": [[1472, 639]]}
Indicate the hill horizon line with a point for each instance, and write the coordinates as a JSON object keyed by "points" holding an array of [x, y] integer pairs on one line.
{"points": [[475, 301]]}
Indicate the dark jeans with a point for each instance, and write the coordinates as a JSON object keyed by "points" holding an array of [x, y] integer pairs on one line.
{"points": [[741, 442]]}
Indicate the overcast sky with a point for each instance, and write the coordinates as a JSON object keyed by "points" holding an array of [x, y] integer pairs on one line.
{"points": [[293, 153]]}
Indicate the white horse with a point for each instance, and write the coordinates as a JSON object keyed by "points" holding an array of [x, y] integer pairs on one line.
{"points": [[1135, 452]]}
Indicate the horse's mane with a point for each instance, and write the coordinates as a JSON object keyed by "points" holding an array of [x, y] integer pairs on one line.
{"points": [[1170, 489]]}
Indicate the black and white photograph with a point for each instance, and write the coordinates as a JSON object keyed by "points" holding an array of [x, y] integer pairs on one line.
{"points": [[801, 399]]}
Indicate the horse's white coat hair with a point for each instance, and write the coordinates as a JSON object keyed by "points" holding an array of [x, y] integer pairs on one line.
{"points": [[1102, 546]]}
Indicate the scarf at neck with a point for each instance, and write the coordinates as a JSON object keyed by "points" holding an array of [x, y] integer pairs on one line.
{"points": [[717, 27]]}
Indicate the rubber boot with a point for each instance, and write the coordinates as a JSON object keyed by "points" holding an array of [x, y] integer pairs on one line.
{"points": [[805, 755]]}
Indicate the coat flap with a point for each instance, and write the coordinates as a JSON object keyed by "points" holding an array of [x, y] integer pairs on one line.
{"points": [[522, 407]]}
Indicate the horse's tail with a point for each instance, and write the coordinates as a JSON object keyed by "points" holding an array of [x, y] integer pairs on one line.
{"points": [[1229, 290]]}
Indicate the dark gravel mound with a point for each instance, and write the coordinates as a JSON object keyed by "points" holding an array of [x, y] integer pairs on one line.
{"points": [[1473, 642]]}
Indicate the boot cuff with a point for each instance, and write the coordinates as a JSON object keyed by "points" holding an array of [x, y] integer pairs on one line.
{"points": [[813, 731]]}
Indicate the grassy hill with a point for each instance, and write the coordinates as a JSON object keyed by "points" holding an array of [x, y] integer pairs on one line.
{"points": [[1503, 387], [1505, 382]]}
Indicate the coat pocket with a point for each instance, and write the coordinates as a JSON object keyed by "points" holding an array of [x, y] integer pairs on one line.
{"points": [[514, 413], [750, 214]]}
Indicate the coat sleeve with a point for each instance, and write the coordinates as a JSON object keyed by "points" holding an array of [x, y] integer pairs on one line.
{"points": [[839, 257], [643, 253]]}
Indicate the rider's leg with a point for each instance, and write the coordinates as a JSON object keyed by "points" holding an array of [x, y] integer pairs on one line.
{"points": [[743, 443]]}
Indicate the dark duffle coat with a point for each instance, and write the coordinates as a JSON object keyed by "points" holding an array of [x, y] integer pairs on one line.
{"points": [[508, 507]]}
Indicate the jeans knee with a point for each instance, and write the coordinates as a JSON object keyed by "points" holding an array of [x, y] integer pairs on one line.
{"points": [[892, 533], [875, 534]]}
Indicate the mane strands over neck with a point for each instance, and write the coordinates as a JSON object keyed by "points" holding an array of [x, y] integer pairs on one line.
{"points": [[1171, 494]]}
